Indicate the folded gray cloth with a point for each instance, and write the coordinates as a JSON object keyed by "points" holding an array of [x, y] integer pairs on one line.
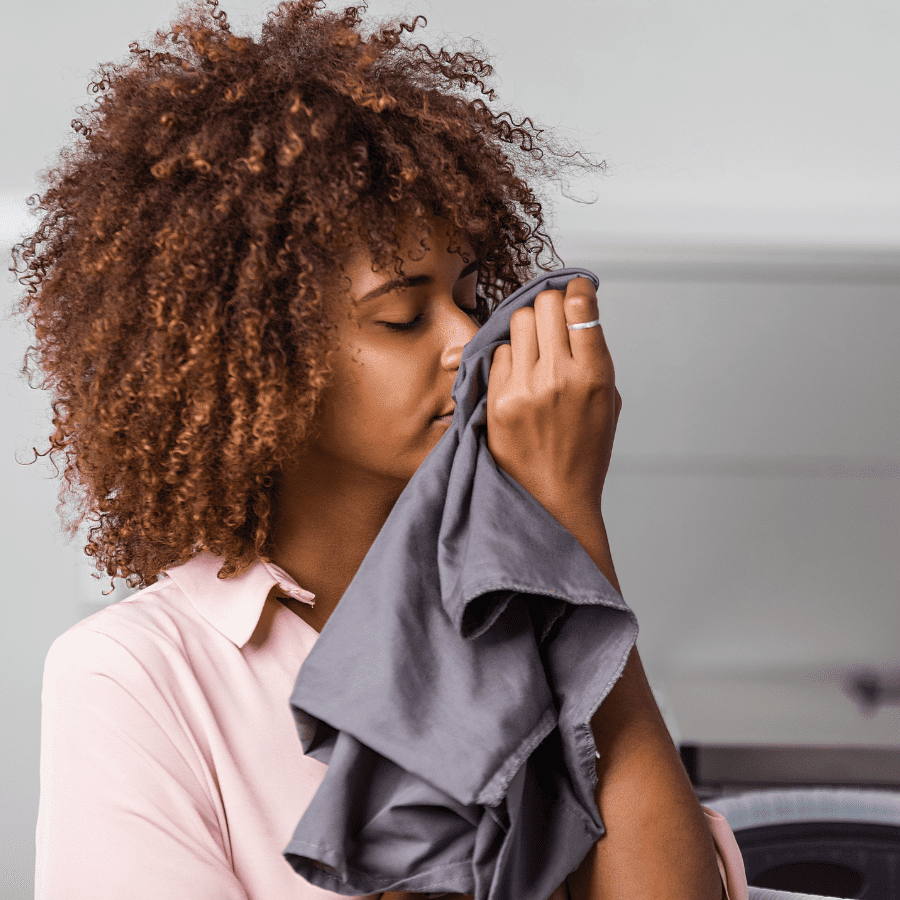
{"points": [[451, 691]]}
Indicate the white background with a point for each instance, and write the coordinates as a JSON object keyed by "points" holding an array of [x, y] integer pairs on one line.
{"points": [[748, 241]]}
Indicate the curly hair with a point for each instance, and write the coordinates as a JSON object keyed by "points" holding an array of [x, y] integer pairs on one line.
{"points": [[181, 282]]}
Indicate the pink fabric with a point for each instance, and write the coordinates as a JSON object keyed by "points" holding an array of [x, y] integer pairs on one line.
{"points": [[170, 762], [728, 855]]}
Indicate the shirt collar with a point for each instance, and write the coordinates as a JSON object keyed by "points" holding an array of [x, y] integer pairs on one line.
{"points": [[233, 606]]}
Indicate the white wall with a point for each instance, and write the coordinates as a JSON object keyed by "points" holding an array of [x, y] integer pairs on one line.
{"points": [[748, 240], [770, 120], [754, 493]]}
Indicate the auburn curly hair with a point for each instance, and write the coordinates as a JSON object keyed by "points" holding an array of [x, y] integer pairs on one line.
{"points": [[181, 282]]}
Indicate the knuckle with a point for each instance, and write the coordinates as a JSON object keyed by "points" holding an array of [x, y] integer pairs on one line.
{"points": [[508, 409], [551, 388], [600, 380]]}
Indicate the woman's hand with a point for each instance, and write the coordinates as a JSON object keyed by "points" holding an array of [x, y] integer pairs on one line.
{"points": [[552, 403]]}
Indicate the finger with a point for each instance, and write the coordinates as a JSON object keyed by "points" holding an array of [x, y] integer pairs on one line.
{"points": [[523, 338], [581, 306], [501, 366], [550, 325]]}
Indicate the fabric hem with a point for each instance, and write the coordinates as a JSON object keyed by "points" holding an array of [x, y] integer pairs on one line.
{"points": [[583, 733], [366, 882], [495, 790]]}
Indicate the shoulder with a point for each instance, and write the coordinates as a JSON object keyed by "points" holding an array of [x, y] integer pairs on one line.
{"points": [[147, 632], [123, 682], [125, 747]]}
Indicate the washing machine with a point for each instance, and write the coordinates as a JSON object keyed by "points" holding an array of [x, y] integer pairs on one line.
{"points": [[838, 842], [808, 780]]}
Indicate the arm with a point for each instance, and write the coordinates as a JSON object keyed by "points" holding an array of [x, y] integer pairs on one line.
{"points": [[657, 842], [553, 408]]}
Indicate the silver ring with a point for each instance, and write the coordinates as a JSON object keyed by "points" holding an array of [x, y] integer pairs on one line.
{"points": [[583, 325]]}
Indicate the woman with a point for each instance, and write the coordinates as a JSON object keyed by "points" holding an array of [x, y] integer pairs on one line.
{"points": [[242, 389]]}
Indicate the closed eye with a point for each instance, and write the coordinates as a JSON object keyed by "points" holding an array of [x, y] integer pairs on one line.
{"points": [[417, 321], [404, 326], [471, 269]]}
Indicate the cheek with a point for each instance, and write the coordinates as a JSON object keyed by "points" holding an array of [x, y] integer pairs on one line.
{"points": [[370, 401], [386, 381]]}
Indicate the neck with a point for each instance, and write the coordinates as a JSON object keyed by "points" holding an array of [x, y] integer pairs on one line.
{"points": [[327, 516]]}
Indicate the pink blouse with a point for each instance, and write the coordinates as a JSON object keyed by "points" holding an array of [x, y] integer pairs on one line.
{"points": [[170, 762]]}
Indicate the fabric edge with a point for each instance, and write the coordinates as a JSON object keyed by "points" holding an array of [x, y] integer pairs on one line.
{"points": [[728, 856]]}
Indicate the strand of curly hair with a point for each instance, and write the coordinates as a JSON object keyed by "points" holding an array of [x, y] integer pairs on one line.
{"points": [[181, 281]]}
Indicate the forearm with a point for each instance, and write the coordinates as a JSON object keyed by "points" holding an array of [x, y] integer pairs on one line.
{"points": [[657, 843]]}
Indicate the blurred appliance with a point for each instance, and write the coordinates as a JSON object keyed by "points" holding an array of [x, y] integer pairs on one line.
{"points": [[806, 769], [842, 842]]}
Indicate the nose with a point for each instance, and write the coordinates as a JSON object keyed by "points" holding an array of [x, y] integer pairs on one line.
{"points": [[457, 329]]}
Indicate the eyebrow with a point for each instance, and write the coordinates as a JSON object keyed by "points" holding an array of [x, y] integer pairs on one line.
{"points": [[415, 281]]}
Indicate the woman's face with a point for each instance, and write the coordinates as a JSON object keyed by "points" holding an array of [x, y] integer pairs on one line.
{"points": [[378, 418]]}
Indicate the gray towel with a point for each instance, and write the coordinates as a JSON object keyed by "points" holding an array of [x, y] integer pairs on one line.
{"points": [[451, 691]]}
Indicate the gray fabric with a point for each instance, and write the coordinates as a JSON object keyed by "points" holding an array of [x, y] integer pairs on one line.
{"points": [[451, 691]]}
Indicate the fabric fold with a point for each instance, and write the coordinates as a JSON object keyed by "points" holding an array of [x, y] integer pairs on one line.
{"points": [[451, 691]]}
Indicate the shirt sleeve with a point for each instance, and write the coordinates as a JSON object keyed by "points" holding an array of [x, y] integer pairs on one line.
{"points": [[125, 808], [728, 855]]}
